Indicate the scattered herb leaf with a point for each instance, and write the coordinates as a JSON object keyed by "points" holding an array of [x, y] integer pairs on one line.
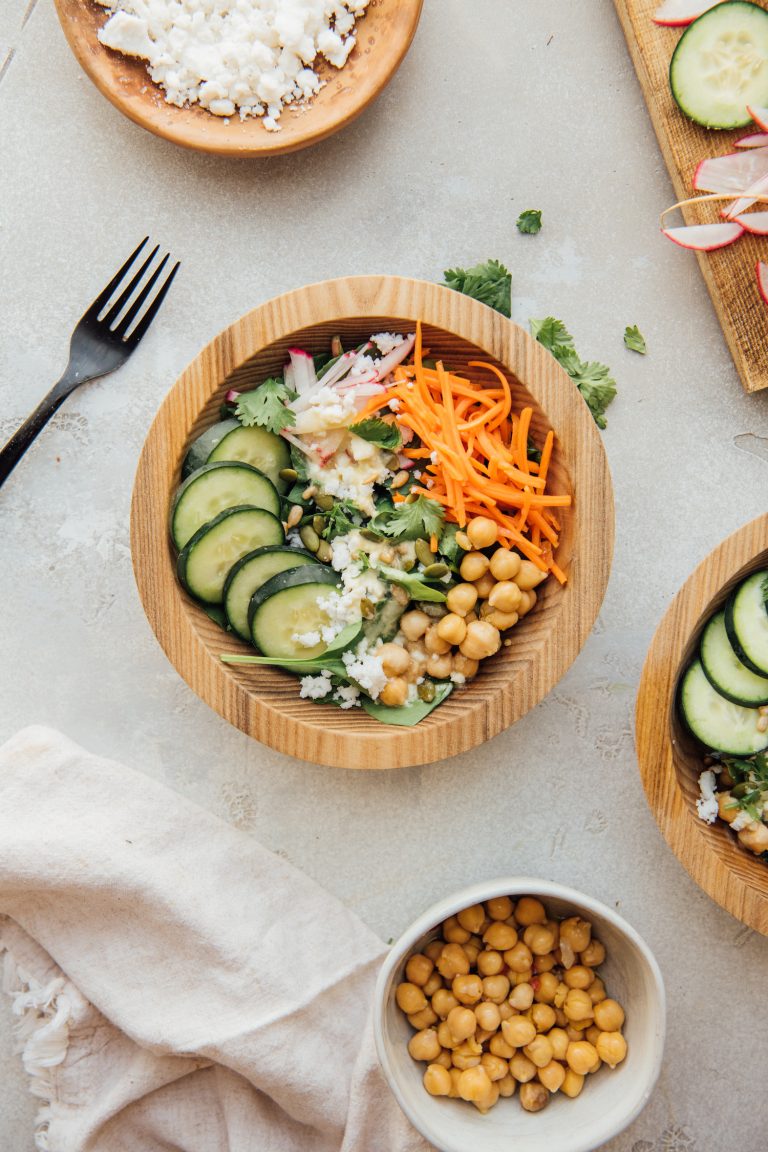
{"points": [[342, 518], [449, 547], [490, 283], [266, 406], [422, 518], [529, 222], [634, 340], [378, 432], [592, 379]]}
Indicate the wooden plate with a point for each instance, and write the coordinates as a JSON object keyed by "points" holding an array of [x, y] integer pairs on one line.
{"points": [[383, 38], [670, 759], [265, 703]]}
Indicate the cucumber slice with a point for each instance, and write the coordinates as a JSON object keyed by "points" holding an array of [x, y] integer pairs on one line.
{"points": [[204, 563], [725, 671], [257, 447], [719, 723], [215, 487], [720, 65], [250, 573], [287, 605], [200, 449], [746, 621]]}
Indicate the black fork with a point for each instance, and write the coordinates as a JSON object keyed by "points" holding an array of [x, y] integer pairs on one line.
{"points": [[99, 344]]}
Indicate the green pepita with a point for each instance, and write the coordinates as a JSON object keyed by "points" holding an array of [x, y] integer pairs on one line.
{"points": [[426, 691], [436, 571], [324, 501], [423, 552], [309, 538], [289, 474]]}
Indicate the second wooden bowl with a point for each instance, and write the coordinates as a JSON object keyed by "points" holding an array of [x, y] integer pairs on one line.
{"points": [[671, 760], [265, 703]]}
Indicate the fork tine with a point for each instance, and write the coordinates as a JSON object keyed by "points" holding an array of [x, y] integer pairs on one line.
{"points": [[140, 300], [104, 296], [141, 328], [125, 295]]}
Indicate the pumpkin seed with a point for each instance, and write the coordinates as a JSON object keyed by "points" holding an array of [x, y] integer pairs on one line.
{"points": [[436, 571], [424, 552], [289, 474], [309, 538], [324, 501], [324, 552], [318, 523], [426, 691]]}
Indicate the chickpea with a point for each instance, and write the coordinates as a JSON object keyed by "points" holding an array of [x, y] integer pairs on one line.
{"points": [[562, 1019], [572, 1084], [394, 659], [482, 532], [545, 988], [609, 1016], [559, 1041], [417, 667], [612, 1048], [506, 1011], [488, 1101], [445, 1059], [502, 620], [560, 995], [575, 1033], [499, 908], [754, 837], [552, 1076], [578, 1005], [443, 1002], [467, 989], [521, 997], [527, 601], [461, 599], [424, 1045], [454, 1092], [543, 1016], [485, 586], [490, 962], [518, 1031], [496, 1067], [540, 939], [435, 981], [578, 976], [507, 1086], [505, 564], [453, 961], [521, 977], [410, 998], [473, 566], [452, 628], [437, 1080], [446, 1039], [529, 910], [481, 641], [454, 932], [419, 969], [414, 624], [505, 596], [529, 576], [464, 666], [434, 643], [581, 1056], [488, 1016], [424, 1019], [499, 1047], [500, 936], [467, 1054], [433, 949], [474, 1083], [545, 963], [461, 1024], [596, 990], [576, 932], [539, 1051], [472, 949], [439, 667], [519, 958], [522, 1068], [472, 918], [495, 988], [395, 692], [533, 1096], [594, 954], [726, 807]]}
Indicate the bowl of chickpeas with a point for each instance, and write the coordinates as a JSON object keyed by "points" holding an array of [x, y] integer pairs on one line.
{"points": [[520, 1010]]}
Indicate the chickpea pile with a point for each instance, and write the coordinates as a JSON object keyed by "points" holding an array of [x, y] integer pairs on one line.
{"points": [[506, 996], [497, 589]]}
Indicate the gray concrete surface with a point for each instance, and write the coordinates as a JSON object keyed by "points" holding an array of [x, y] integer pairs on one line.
{"points": [[501, 105]]}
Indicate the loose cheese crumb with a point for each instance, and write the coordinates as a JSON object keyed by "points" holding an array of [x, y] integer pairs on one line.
{"points": [[315, 687], [707, 805]]}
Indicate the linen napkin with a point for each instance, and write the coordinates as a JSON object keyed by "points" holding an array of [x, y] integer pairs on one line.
{"points": [[179, 987]]}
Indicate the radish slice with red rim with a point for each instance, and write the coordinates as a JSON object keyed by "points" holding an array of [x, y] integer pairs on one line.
{"points": [[735, 172], [676, 13], [705, 237], [754, 140], [754, 222], [760, 116], [745, 202], [762, 279]]}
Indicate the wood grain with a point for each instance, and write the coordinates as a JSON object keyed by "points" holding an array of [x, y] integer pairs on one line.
{"points": [[729, 273], [671, 760], [265, 703], [384, 35]]}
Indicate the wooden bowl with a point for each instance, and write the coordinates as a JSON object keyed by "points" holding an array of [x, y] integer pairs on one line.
{"points": [[264, 702], [383, 38], [671, 759]]}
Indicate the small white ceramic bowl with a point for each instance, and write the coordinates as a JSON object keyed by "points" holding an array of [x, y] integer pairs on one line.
{"points": [[611, 1099]]}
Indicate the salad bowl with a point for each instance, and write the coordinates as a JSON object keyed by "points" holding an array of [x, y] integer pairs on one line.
{"points": [[384, 35], [670, 758], [265, 702]]}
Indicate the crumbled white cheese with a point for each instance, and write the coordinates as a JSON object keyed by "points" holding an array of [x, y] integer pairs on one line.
{"points": [[351, 473], [386, 342], [365, 667], [251, 56], [394, 405], [347, 696], [741, 821], [325, 410], [458, 678], [707, 805], [306, 639], [315, 687]]}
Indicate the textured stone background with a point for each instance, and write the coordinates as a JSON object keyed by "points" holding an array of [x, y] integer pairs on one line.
{"points": [[501, 105]]}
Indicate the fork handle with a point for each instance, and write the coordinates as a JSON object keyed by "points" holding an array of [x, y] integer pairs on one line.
{"points": [[34, 423]]}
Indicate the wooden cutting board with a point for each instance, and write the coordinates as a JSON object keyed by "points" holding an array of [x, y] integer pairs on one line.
{"points": [[730, 272]]}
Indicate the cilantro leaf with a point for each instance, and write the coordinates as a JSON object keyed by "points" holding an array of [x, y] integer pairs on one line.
{"points": [[634, 340], [266, 406], [342, 518], [378, 432], [449, 547], [490, 283], [529, 222], [422, 518], [592, 379]]}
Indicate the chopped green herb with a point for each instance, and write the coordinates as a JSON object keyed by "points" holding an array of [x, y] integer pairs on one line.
{"points": [[529, 222], [342, 518], [424, 517], [378, 432], [448, 546], [593, 380], [490, 283], [634, 340], [266, 406]]}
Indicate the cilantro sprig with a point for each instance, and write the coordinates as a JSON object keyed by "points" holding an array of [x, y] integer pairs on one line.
{"points": [[378, 432], [593, 380], [419, 520], [490, 283], [266, 406], [634, 340], [529, 222]]}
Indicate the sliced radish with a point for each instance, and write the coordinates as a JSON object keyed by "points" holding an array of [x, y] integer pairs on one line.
{"points": [[745, 202], [304, 376], [395, 357], [755, 140], [231, 396], [736, 172], [760, 116], [762, 279], [676, 13], [705, 237], [754, 222]]}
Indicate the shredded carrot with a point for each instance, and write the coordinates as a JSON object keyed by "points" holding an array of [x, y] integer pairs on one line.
{"points": [[433, 543]]}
